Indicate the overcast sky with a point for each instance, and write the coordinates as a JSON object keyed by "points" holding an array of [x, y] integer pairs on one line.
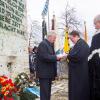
{"points": [[86, 10]]}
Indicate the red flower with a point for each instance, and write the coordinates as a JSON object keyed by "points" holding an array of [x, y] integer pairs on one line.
{"points": [[8, 98], [7, 87]]}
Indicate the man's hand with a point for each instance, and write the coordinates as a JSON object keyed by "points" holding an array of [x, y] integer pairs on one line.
{"points": [[59, 58]]}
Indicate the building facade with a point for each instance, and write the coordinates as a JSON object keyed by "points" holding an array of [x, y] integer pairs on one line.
{"points": [[13, 38]]}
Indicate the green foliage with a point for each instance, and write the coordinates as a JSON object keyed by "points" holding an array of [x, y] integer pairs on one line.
{"points": [[27, 96]]}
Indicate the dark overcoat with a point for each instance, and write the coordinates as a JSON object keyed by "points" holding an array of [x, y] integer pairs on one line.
{"points": [[46, 60], [78, 71], [94, 67]]}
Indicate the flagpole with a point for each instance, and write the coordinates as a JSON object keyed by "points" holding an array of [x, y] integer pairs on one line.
{"points": [[48, 18], [85, 34]]}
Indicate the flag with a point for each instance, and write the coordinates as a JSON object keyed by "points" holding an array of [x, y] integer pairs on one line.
{"points": [[53, 23], [44, 29], [66, 43], [45, 10], [85, 33]]}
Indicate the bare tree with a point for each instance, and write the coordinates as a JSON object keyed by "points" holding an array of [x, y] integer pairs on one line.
{"points": [[35, 34], [70, 19]]}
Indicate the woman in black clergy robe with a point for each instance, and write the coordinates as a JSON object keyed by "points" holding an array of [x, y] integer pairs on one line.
{"points": [[78, 68]]}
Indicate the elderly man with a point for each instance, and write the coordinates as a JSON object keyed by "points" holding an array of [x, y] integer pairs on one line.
{"points": [[78, 68], [46, 65], [94, 62]]}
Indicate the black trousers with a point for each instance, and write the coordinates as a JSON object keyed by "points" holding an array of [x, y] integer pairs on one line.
{"points": [[45, 88]]}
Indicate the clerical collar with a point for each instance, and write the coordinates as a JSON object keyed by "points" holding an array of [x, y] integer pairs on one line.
{"points": [[98, 31], [78, 40]]}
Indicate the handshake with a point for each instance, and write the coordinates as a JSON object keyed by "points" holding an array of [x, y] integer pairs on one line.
{"points": [[61, 56]]}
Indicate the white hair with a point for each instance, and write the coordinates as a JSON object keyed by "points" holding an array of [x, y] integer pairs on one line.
{"points": [[97, 18], [51, 33]]}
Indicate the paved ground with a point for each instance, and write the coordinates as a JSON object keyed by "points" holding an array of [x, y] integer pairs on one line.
{"points": [[59, 90]]}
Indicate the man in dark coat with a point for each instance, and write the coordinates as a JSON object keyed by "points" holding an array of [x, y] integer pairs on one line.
{"points": [[78, 68], [94, 62], [46, 65], [32, 59]]}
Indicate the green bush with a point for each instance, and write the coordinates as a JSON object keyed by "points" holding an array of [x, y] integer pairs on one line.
{"points": [[27, 96]]}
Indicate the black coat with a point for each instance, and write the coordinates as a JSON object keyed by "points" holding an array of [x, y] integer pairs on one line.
{"points": [[32, 61], [94, 67], [46, 60], [78, 71]]}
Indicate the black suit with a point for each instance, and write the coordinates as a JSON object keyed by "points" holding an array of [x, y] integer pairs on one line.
{"points": [[46, 68], [94, 67]]}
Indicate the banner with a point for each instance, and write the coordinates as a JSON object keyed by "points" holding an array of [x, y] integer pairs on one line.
{"points": [[45, 10]]}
